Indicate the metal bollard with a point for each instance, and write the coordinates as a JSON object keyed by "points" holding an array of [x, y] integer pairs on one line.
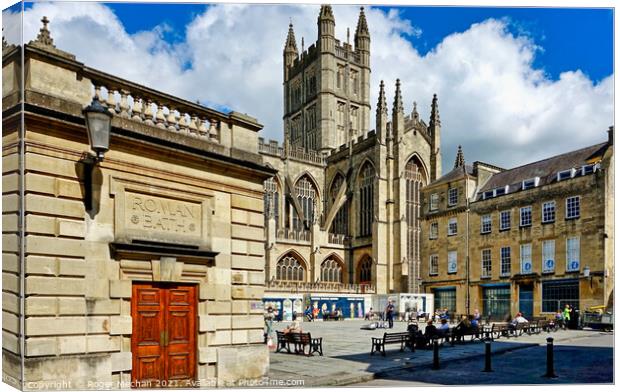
{"points": [[550, 372], [487, 356], [435, 355]]}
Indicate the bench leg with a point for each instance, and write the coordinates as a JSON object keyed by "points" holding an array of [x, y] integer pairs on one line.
{"points": [[383, 347]]}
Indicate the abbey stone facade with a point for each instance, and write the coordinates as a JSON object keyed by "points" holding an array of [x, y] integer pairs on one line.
{"points": [[342, 214]]}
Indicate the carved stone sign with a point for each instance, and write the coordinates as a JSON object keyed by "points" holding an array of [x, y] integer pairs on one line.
{"points": [[156, 214], [164, 217]]}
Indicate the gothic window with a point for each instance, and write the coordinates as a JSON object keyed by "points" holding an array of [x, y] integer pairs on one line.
{"points": [[331, 271], [353, 119], [366, 197], [365, 270], [340, 77], [414, 181], [272, 201], [340, 118], [355, 82], [289, 268], [306, 196], [340, 223]]}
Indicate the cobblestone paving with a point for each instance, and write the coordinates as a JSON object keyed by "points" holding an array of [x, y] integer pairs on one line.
{"points": [[347, 358]]}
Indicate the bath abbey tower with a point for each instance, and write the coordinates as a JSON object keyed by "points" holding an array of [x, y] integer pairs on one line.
{"points": [[342, 212]]}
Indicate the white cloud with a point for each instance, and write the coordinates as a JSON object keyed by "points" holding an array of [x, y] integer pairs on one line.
{"points": [[492, 100]]}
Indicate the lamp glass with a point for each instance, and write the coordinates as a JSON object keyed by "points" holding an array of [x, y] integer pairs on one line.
{"points": [[98, 125]]}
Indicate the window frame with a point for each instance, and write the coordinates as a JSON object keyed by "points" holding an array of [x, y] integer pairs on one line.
{"points": [[521, 210], [525, 257], [577, 208], [484, 223], [502, 259], [569, 252], [543, 211], [433, 234], [453, 192], [456, 262], [456, 228], [484, 261], [544, 256], [433, 271], [501, 220], [433, 203]]}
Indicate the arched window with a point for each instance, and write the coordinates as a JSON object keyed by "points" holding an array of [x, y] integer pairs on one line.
{"points": [[331, 271], [366, 192], [272, 201], [365, 270], [306, 195], [414, 180], [340, 224], [289, 268]]}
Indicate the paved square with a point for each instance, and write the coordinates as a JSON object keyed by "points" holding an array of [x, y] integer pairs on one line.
{"points": [[347, 358]]}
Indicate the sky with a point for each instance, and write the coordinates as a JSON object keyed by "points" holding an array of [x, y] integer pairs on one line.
{"points": [[514, 84]]}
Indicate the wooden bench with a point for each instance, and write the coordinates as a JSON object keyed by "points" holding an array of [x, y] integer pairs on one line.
{"points": [[498, 330], [473, 333], [332, 316], [299, 341], [402, 338]]}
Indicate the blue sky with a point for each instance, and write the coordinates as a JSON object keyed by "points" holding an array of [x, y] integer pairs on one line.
{"points": [[572, 38], [514, 84]]}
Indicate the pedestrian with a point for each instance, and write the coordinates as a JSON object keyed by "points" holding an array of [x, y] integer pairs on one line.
{"points": [[368, 315], [308, 313], [475, 321], [389, 314], [566, 316], [269, 316]]}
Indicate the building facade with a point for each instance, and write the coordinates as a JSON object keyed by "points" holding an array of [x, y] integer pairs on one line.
{"points": [[529, 239], [342, 213], [126, 272]]}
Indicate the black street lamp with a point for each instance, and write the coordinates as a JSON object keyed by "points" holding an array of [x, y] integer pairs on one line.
{"points": [[98, 125]]}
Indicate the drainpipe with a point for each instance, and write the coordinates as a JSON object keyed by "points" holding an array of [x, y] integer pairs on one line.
{"points": [[467, 299], [21, 223]]}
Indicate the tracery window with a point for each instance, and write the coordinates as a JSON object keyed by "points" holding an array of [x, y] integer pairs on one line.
{"points": [[366, 193], [306, 196], [272, 201], [340, 224], [289, 268], [365, 270], [331, 271]]}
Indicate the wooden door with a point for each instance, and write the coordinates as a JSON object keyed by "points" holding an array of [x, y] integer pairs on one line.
{"points": [[163, 340]]}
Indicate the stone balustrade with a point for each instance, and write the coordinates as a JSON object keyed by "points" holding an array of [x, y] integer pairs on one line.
{"points": [[298, 153], [294, 235], [319, 287], [141, 104], [338, 239]]}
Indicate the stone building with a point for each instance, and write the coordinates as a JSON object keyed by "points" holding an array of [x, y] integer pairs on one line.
{"points": [[532, 239], [144, 269], [342, 212]]}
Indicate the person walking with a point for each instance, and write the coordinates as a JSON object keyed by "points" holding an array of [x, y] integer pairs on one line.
{"points": [[389, 314], [269, 317], [566, 316]]}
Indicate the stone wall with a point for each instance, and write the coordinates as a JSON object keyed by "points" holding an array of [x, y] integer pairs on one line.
{"points": [[78, 279]]}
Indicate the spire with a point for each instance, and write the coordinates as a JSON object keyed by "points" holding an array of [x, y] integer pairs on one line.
{"points": [[4, 43], [398, 98], [414, 114], [44, 36], [362, 25], [291, 43], [434, 112], [326, 13], [460, 159], [382, 104]]}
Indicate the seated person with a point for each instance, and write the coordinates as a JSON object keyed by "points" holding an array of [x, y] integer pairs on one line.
{"points": [[368, 315], [519, 319], [463, 327], [443, 327], [293, 328]]}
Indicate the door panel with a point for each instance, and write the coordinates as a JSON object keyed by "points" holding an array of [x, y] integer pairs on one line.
{"points": [[163, 342], [181, 333]]}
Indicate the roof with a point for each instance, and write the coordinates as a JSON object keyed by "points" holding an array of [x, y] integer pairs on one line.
{"points": [[545, 169], [456, 174]]}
